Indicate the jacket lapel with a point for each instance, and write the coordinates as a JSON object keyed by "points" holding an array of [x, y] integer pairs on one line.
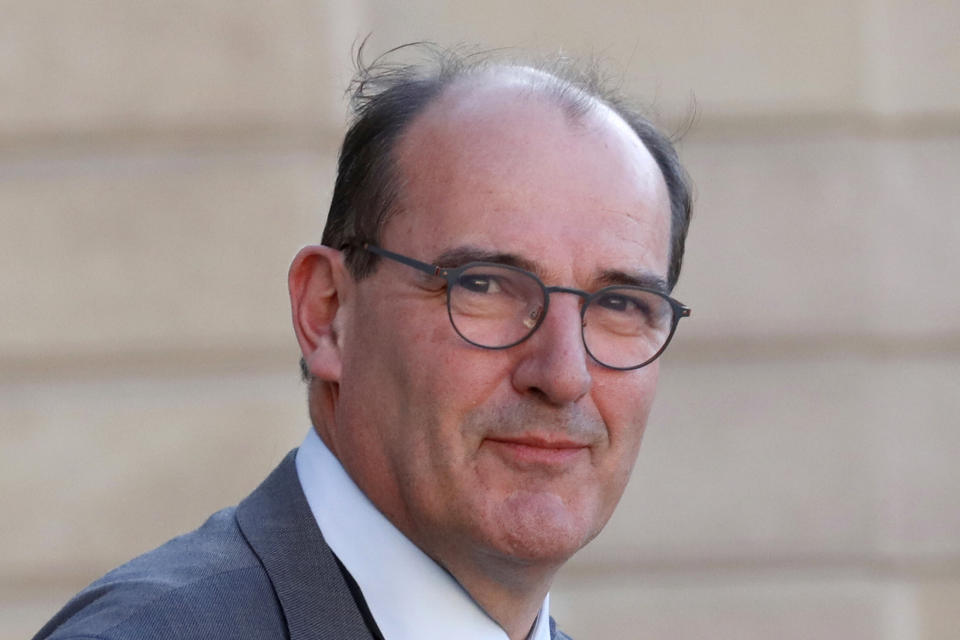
{"points": [[279, 527]]}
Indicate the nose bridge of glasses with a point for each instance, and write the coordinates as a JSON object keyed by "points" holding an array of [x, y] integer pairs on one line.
{"points": [[577, 292], [583, 295]]}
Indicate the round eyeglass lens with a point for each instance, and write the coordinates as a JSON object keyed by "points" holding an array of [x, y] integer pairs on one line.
{"points": [[624, 327], [495, 306]]}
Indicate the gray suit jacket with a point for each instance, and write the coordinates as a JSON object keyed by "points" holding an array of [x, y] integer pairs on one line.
{"points": [[257, 570]]}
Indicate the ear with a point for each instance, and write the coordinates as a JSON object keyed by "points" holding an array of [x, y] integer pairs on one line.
{"points": [[317, 281]]}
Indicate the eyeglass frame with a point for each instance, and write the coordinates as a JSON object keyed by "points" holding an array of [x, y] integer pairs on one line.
{"points": [[450, 274]]}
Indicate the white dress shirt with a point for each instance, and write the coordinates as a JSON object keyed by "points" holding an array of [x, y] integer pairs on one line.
{"points": [[409, 595]]}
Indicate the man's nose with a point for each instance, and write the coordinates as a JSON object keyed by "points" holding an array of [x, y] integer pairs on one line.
{"points": [[553, 362]]}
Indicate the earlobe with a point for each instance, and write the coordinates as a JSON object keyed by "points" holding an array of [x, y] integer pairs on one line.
{"points": [[317, 279]]}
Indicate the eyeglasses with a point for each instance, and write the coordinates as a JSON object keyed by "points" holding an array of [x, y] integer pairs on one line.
{"points": [[498, 306]]}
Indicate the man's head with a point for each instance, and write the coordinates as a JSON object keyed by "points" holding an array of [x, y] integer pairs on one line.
{"points": [[485, 458]]}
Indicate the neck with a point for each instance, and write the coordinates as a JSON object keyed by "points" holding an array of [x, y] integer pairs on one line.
{"points": [[510, 592]]}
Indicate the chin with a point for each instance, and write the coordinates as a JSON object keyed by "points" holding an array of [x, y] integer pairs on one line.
{"points": [[540, 527]]}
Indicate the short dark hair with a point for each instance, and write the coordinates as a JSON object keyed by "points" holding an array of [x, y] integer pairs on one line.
{"points": [[385, 97]]}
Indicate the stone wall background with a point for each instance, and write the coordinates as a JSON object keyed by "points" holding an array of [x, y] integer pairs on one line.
{"points": [[160, 163]]}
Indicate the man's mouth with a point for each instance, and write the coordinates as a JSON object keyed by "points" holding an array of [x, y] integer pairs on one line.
{"points": [[535, 450]]}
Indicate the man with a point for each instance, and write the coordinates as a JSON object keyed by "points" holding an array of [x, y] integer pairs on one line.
{"points": [[479, 333]]}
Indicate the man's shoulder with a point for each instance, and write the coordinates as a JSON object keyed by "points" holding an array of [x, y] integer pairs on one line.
{"points": [[203, 584]]}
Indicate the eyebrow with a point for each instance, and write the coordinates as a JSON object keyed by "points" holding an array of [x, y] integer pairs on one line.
{"points": [[459, 256], [642, 278]]}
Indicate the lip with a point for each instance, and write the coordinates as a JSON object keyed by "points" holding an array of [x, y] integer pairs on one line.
{"points": [[533, 450]]}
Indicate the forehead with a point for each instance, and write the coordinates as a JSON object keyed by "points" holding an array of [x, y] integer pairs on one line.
{"points": [[499, 166]]}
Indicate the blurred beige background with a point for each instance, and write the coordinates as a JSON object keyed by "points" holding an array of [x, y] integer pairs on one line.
{"points": [[161, 162]]}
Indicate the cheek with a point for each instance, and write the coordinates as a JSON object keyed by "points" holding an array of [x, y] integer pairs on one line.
{"points": [[438, 380], [624, 400]]}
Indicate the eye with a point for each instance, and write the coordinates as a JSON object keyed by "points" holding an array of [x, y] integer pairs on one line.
{"points": [[480, 283], [622, 303]]}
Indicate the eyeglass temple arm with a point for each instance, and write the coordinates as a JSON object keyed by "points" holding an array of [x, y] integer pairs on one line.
{"points": [[431, 269]]}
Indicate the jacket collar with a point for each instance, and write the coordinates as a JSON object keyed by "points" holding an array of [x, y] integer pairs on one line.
{"points": [[277, 524]]}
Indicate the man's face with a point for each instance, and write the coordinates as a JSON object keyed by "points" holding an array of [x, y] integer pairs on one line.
{"points": [[519, 454]]}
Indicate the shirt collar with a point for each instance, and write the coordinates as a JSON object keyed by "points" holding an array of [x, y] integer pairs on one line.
{"points": [[409, 595]]}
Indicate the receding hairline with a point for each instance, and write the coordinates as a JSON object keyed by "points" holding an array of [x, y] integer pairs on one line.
{"points": [[389, 93], [527, 81], [483, 90]]}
